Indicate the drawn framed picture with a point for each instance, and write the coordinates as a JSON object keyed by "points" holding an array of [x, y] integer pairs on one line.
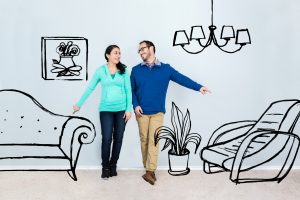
{"points": [[64, 58]]}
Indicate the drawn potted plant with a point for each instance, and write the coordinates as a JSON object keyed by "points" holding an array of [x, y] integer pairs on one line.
{"points": [[178, 138], [66, 65]]}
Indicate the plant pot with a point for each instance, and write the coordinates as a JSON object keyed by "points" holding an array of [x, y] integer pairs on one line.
{"points": [[64, 65], [66, 61], [178, 164]]}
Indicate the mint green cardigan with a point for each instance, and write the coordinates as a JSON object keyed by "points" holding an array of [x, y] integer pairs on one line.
{"points": [[115, 92]]}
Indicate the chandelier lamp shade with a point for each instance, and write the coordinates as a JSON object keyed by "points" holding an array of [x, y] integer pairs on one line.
{"points": [[242, 37]]}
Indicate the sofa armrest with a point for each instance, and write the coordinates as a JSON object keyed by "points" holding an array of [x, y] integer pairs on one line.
{"points": [[230, 130], [242, 150], [75, 132]]}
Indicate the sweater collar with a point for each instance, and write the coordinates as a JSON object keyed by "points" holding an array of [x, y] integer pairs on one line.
{"points": [[156, 63]]}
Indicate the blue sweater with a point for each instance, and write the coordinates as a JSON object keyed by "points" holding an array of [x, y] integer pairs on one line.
{"points": [[149, 86]]}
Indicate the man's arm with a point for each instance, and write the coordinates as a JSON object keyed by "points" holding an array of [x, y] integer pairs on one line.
{"points": [[184, 80], [187, 82], [137, 108], [133, 89]]}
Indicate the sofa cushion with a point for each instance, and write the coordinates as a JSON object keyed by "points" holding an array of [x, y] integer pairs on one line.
{"points": [[30, 151], [29, 157], [24, 121]]}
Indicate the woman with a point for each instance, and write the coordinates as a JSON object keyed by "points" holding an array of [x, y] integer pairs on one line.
{"points": [[115, 107]]}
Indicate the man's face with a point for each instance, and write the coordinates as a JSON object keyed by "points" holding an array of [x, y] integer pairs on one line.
{"points": [[144, 51]]}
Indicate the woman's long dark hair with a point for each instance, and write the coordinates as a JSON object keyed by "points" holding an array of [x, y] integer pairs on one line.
{"points": [[120, 66]]}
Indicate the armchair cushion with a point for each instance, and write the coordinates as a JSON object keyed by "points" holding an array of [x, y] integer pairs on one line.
{"points": [[219, 153]]}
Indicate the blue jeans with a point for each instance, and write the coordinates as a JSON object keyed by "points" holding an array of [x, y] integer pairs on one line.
{"points": [[112, 128]]}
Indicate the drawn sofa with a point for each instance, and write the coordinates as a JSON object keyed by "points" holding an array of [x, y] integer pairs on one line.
{"points": [[33, 138], [271, 141]]}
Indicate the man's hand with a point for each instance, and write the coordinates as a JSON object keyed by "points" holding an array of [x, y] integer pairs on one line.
{"points": [[127, 116], [138, 111], [204, 90]]}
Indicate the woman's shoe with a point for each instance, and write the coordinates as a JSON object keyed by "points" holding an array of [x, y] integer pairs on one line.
{"points": [[105, 173], [113, 171]]}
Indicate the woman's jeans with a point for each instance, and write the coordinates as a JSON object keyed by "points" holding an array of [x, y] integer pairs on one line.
{"points": [[112, 127]]}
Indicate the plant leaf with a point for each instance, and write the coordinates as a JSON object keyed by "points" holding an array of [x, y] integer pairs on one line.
{"points": [[167, 143], [194, 138], [164, 132], [62, 73], [55, 61], [177, 121], [186, 128], [75, 68]]}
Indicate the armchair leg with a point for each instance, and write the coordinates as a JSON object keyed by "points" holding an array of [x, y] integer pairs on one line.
{"points": [[292, 154], [72, 174], [211, 168], [206, 167]]}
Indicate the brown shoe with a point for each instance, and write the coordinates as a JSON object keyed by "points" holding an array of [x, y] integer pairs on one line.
{"points": [[153, 176], [148, 177]]}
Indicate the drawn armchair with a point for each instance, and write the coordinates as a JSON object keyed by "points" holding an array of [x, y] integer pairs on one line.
{"points": [[34, 139], [271, 141]]}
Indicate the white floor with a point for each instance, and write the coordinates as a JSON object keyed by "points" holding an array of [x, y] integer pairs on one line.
{"points": [[129, 185]]}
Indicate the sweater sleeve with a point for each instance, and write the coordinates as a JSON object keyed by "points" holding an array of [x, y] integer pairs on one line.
{"points": [[128, 92], [184, 80], [134, 90], [92, 85]]}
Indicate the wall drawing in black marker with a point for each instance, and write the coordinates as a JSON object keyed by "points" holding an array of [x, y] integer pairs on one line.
{"points": [[66, 65], [242, 37], [33, 138], [243, 146], [178, 137], [64, 58]]}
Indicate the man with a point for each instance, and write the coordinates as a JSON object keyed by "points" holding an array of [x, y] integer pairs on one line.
{"points": [[149, 82]]}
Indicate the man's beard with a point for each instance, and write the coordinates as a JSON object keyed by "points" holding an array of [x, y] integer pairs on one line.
{"points": [[144, 58]]}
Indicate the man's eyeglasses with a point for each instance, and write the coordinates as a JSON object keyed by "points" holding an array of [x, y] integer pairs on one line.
{"points": [[142, 49]]}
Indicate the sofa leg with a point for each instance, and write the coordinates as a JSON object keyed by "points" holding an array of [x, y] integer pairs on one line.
{"points": [[72, 174]]}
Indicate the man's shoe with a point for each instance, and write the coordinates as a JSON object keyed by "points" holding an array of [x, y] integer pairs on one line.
{"points": [[153, 176], [105, 173], [113, 171], [148, 177]]}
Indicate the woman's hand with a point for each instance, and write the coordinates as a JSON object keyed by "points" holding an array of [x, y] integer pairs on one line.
{"points": [[127, 116], [75, 109]]}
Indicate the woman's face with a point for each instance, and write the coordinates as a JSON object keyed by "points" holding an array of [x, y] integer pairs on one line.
{"points": [[114, 56]]}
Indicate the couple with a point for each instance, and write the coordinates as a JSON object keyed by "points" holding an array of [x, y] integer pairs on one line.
{"points": [[146, 90]]}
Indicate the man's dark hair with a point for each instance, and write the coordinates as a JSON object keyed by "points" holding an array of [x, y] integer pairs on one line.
{"points": [[149, 44]]}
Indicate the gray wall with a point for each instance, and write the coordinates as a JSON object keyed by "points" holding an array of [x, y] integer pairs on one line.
{"points": [[242, 84]]}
